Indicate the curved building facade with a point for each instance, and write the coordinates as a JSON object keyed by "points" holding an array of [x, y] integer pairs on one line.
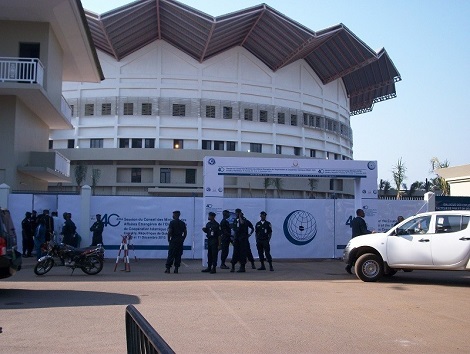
{"points": [[164, 105]]}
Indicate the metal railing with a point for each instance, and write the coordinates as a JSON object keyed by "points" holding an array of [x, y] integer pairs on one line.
{"points": [[28, 70], [141, 337]]}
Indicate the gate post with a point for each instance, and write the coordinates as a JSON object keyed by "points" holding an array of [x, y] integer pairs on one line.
{"points": [[4, 193]]}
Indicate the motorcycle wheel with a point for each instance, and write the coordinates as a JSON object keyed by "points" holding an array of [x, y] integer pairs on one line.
{"points": [[93, 265], [44, 266]]}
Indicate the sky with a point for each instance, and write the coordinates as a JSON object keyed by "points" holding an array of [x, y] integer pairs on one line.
{"points": [[429, 43]]}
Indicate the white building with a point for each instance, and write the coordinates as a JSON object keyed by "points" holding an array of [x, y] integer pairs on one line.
{"points": [[458, 178], [181, 85]]}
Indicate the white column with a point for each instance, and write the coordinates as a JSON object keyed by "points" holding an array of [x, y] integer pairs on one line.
{"points": [[85, 209], [4, 193], [430, 199]]}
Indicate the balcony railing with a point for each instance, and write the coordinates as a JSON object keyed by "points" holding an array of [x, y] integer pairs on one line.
{"points": [[27, 70]]}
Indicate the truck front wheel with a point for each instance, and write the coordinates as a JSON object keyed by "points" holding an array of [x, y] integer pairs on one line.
{"points": [[369, 267]]}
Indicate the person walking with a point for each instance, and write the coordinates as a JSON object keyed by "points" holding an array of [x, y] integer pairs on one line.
{"points": [[263, 233], [212, 230], [49, 224], [68, 230], [241, 243], [358, 227], [39, 236], [225, 239], [97, 229], [177, 233], [27, 233]]}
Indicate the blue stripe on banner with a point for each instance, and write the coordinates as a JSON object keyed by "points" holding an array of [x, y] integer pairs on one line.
{"points": [[146, 248], [340, 247]]}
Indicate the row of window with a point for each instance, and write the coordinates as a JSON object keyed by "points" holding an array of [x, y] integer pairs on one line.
{"points": [[179, 110], [165, 175]]}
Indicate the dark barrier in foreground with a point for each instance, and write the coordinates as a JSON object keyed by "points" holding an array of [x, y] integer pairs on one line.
{"points": [[140, 335]]}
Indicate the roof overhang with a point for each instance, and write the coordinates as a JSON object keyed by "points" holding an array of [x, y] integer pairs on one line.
{"points": [[69, 24], [455, 173]]}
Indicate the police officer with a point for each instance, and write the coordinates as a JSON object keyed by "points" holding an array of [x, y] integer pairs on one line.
{"points": [[27, 233], [225, 239], [97, 229], [177, 232], [212, 230], [49, 224], [263, 232], [241, 243]]}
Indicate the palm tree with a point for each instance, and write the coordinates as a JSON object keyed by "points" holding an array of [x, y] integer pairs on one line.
{"points": [[80, 174], [278, 183], [399, 176], [439, 183], [95, 177], [416, 186], [266, 183], [384, 186], [313, 184]]}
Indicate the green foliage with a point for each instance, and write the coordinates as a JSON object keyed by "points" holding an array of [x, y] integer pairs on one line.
{"points": [[399, 176]]}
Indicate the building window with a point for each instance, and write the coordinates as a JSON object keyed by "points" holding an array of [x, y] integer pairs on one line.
{"points": [[218, 145], [146, 109], [70, 143], [337, 157], [293, 119], [256, 147], [123, 143], [51, 144], [72, 110], [137, 143], [263, 116], [279, 149], [149, 143], [313, 153], [89, 109], [190, 176], [106, 109], [136, 175], [248, 114], [297, 151], [231, 146], [177, 144], [332, 184], [281, 118], [210, 111], [128, 109], [318, 122], [165, 175], [179, 110], [96, 143], [228, 112], [206, 144]]}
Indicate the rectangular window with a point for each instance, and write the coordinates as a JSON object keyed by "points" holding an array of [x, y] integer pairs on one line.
{"points": [[89, 109], [96, 143], [281, 118], [263, 116], [123, 143], [248, 114], [72, 110], [279, 149], [165, 175], [297, 151], [313, 153], [332, 184], [190, 176], [149, 143], [179, 110], [318, 122], [106, 109], [256, 147], [177, 144], [136, 143], [136, 175], [293, 119], [128, 109], [210, 111], [70, 143], [329, 125], [206, 144], [218, 145], [231, 146], [51, 144], [146, 109], [228, 112], [337, 157]]}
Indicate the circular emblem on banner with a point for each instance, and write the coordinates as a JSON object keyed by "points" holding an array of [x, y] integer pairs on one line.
{"points": [[300, 227], [211, 161], [221, 169], [371, 165]]}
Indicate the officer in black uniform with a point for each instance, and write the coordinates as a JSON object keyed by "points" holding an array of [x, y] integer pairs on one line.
{"points": [[49, 223], [241, 243], [212, 230], [225, 239], [263, 232], [97, 229], [177, 232]]}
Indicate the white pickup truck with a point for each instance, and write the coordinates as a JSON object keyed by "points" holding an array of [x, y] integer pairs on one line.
{"points": [[435, 240]]}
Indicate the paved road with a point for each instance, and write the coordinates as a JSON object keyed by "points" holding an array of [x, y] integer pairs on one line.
{"points": [[301, 307]]}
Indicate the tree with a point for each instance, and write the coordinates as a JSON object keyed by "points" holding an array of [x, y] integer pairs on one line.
{"points": [[266, 183], [80, 173], [384, 186], [95, 177], [416, 186], [439, 183], [399, 176], [278, 183], [313, 184]]}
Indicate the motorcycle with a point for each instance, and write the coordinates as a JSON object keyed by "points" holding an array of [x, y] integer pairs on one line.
{"points": [[89, 260]]}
